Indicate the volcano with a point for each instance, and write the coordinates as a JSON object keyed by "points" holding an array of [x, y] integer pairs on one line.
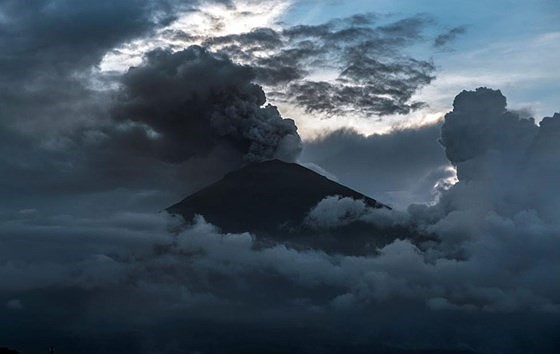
{"points": [[271, 199]]}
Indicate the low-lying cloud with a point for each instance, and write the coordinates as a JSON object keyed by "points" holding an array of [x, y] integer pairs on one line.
{"points": [[138, 270]]}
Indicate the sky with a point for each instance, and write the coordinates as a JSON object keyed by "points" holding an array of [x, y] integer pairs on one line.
{"points": [[446, 111], [488, 48]]}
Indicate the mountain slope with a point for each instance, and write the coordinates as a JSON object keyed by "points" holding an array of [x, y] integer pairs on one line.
{"points": [[263, 197], [271, 200]]}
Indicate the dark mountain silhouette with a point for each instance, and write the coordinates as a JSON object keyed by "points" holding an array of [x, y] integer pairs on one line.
{"points": [[271, 199]]}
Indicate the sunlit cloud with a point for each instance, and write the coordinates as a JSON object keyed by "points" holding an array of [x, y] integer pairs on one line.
{"points": [[193, 26]]}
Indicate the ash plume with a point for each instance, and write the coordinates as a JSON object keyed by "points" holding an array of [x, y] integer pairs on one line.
{"points": [[194, 100]]}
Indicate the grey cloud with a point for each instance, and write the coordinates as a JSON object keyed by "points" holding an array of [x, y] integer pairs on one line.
{"points": [[49, 49], [505, 196], [398, 168], [449, 36], [546, 143], [14, 304], [101, 169], [43, 29], [407, 28], [374, 75], [264, 38], [334, 211], [480, 122]]}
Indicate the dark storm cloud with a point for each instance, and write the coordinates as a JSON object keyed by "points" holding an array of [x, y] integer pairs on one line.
{"points": [[374, 76], [397, 168], [449, 36], [48, 48], [66, 35]]}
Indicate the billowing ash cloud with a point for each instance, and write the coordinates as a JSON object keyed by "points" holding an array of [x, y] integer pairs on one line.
{"points": [[508, 158], [480, 123], [193, 100], [502, 215]]}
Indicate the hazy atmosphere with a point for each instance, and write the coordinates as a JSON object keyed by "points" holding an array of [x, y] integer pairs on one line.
{"points": [[242, 176]]}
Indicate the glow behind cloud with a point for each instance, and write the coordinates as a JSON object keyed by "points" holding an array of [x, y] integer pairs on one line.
{"points": [[209, 20]]}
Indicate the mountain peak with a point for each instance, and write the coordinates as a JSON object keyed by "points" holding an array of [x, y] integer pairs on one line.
{"points": [[262, 196], [271, 199]]}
